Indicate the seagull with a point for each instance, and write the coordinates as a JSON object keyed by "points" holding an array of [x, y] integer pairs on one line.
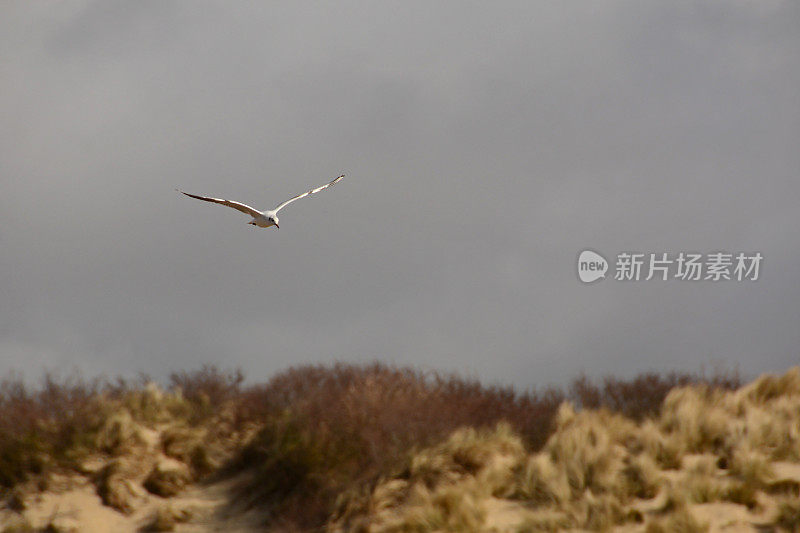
{"points": [[262, 219]]}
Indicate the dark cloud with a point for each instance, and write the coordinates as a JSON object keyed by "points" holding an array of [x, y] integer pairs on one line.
{"points": [[485, 146]]}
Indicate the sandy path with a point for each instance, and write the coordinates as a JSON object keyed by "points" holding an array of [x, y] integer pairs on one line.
{"points": [[77, 507]]}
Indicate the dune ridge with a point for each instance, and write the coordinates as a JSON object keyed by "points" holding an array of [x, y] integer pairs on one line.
{"points": [[379, 448]]}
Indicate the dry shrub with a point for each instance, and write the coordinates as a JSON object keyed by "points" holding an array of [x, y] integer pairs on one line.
{"points": [[752, 467], [703, 464], [16, 501], [767, 416], [788, 515], [326, 428], [695, 415], [590, 447], [149, 404], [543, 482], [59, 424], [741, 493], [784, 487], [179, 441], [445, 508], [167, 478], [44, 428], [113, 485], [679, 521], [444, 487], [118, 434], [702, 488], [642, 395], [596, 462], [746, 429], [385, 442], [584, 477], [165, 518], [162, 520], [591, 467], [207, 390], [195, 446], [773, 428], [600, 513], [491, 457], [666, 449], [641, 476], [769, 387]]}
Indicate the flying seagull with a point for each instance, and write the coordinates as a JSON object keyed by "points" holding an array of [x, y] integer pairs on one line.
{"points": [[262, 219]]}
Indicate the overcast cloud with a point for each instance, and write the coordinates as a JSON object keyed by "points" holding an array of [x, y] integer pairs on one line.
{"points": [[485, 145]]}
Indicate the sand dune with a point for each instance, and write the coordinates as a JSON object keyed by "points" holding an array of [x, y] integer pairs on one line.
{"points": [[709, 460]]}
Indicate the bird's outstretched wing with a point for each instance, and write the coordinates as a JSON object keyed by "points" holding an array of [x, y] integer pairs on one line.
{"points": [[230, 203], [307, 193]]}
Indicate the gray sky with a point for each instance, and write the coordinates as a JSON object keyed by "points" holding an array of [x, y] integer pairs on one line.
{"points": [[485, 145]]}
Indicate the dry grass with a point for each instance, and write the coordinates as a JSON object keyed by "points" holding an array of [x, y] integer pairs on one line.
{"points": [[599, 469], [679, 521], [67, 419], [590, 447], [48, 427], [543, 482], [112, 485], [18, 526], [166, 518], [445, 487], [788, 518], [325, 429], [381, 448], [742, 494]]}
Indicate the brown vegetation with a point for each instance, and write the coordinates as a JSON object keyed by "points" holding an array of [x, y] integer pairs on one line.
{"points": [[601, 470], [380, 448], [326, 430]]}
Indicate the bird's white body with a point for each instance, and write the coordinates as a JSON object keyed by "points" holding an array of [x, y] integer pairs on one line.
{"points": [[262, 219], [265, 220]]}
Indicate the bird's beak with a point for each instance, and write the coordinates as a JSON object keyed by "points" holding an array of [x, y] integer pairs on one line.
{"points": [[277, 226]]}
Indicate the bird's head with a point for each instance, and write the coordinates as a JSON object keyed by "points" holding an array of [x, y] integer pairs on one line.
{"points": [[275, 221]]}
